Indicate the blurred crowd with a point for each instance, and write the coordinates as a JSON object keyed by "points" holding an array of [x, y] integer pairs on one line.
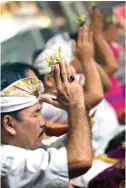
{"points": [[96, 61]]}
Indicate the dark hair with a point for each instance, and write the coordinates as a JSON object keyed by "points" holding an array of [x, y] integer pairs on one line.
{"points": [[74, 36], [13, 114], [11, 72]]}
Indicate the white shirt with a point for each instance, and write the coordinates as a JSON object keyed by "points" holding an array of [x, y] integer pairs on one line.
{"points": [[21, 168], [105, 128], [51, 113]]}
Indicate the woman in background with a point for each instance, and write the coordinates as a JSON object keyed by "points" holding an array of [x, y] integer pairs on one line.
{"points": [[116, 94]]}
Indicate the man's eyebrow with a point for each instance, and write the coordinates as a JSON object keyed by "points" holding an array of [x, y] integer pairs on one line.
{"points": [[37, 110]]}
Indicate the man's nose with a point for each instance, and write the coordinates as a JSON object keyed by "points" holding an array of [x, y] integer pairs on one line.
{"points": [[42, 123]]}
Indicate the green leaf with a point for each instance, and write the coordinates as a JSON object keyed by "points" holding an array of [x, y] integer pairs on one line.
{"points": [[55, 58], [81, 19], [92, 4]]}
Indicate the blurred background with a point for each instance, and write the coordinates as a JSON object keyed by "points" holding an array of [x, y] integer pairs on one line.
{"points": [[27, 25]]}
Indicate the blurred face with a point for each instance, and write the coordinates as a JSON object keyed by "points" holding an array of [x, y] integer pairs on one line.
{"points": [[111, 33], [77, 65], [30, 73], [29, 127], [48, 81]]}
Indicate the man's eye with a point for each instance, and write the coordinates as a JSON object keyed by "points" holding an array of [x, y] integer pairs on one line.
{"points": [[37, 113]]}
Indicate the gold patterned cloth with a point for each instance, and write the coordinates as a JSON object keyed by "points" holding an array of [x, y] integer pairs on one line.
{"points": [[21, 94]]}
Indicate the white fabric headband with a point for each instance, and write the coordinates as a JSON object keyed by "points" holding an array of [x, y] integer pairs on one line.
{"points": [[21, 94], [10, 104]]}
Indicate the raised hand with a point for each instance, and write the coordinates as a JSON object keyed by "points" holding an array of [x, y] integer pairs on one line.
{"points": [[69, 94], [96, 25], [83, 49]]}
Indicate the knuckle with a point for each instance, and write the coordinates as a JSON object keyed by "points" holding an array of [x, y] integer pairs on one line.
{"points": [[66, 85], [59, 89], [63, 73]]}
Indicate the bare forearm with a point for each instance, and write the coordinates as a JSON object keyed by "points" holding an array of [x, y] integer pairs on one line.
{"points": [[103, 45], [92, 76], [110, 65], [79, 149], [106, 83], [92, 95]]}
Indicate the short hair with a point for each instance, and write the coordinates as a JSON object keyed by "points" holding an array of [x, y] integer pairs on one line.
{"points": [[11, 72], [74, 36], [14, 114]]}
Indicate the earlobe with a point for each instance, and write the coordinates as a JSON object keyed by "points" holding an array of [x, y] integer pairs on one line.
{"points": [[9, 125], [48, 81]]}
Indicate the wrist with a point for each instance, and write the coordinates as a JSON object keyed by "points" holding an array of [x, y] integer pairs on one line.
{"points": [[77, 105], [98, 37], [86, 60]]}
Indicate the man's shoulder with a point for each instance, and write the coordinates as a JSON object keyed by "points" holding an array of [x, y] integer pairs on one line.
{"points": [[9, 150], [5, 147]]}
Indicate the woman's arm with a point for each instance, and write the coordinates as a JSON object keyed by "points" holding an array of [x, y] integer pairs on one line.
{"points": [[106, 83], [103, 53]]}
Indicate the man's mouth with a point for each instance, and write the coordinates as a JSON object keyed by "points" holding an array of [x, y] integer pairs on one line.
{"points": [[44, 128]]}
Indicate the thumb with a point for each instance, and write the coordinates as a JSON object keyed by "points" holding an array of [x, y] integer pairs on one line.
{"points": [[74, 48], [80, 81]]}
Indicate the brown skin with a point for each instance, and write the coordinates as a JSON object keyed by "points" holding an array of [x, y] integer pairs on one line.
{"points": [[70, 97], [83, 51], [50, 86], [24, 131], [103, 53], [111, 33], [106, 83]]}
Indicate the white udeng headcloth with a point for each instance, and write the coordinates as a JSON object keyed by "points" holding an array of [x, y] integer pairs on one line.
{"points": [[11, 104], [66, 53], [21, 94]]}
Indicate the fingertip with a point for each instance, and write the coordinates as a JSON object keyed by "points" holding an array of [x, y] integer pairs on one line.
{"points": [[52, 68], [56, 67], [86, 28]]}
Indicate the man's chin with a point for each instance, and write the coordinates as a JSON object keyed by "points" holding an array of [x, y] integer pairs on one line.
{"points": [[38, 144]]}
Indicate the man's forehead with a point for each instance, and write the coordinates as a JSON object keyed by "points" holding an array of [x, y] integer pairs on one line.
{"points": [[37, 106], [33, 108]]}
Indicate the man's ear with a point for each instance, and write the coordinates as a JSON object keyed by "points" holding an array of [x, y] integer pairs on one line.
{"points": [[8, 124], [48, 81]]}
